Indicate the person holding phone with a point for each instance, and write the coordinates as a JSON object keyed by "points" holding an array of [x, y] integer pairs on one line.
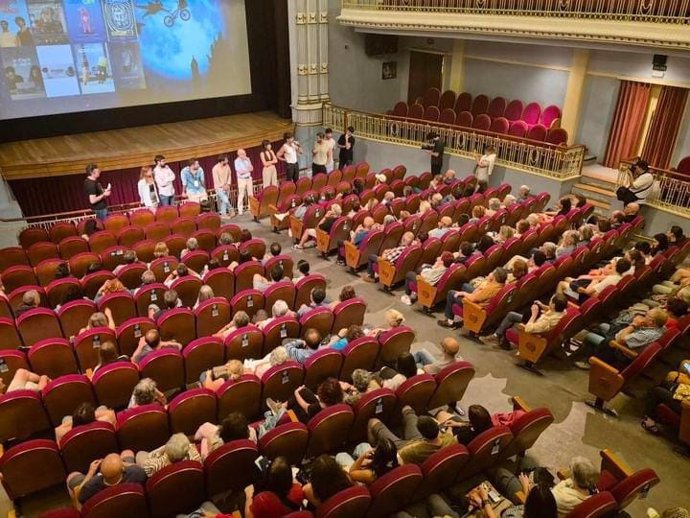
{"points": [[672, 392], [95, 192]]}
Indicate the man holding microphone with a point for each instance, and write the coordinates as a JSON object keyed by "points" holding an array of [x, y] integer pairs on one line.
{"points": [[94, 190]]}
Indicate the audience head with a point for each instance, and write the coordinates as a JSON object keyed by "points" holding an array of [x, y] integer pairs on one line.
{"points": [[394, 318], [450, 346], [559, 303], [657, 317], [170, 299], [31, 298], [533, 220], [522, 226], [500, 275], [447, 259], [318, 295], [623, 265], [330, 392], [277, 273], [538, 258], [385, 457], [62, 269], [312, 338], [428, 427], [485, 242], [463, 219], [368, 222], [479, 418], [234, 427], [260, 316], [361, 378], [225, 239], [406, 365], [97, 319], [549, 250], [148, 277], [520, 268], [107, 353], [85, 413], [583, 473], [130, 257], [144, 392], [113, 286], [565, 204], [112, 469], [581, 201], [93, 171], [245, 235], [275, 249], [446, 222], [540, 503], [278, 356], [278, 478], [388, 219], [192, 244], [245, 257], [161, 250], [523, 192], [506, 232], [303, 266], [182, 270], [353, 332], [240, 319], [478, 211], [347, 293], [177, 447], [509, 200], [644, 247], [466, 248], [279, 309], [494, 204], [675, 234], [205, 293], [213, 264], [407, 239], [603, 225], [676, 307], [327, 477], [586, 233], [152, 338], [235, 369]]}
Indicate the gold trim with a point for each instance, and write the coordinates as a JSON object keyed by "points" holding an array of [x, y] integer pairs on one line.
{"points": [[641, 79]]}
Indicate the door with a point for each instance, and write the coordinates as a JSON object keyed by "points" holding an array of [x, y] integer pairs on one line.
{"points": [[426, 71]]}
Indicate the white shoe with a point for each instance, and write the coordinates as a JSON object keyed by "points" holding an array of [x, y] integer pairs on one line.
{"points": [[405, 299]]}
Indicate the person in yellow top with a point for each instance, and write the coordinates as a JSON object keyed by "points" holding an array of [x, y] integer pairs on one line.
{"points": [[672, 392], [321, 154], [481, 295]]}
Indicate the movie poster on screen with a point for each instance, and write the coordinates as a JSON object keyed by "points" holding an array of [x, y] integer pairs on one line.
{"points": [[47, 22], [120, 20], [93, 68], [128, 70], [59, 72], [85, 21], [14, 24], [22, 75]]}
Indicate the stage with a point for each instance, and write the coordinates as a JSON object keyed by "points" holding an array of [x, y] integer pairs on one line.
{"points": [[134, 147]]}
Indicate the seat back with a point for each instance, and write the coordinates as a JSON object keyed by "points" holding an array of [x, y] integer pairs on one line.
{"points": [[9, 336], [634, 486], [452, 382], [531, 113], [143, 428], [320, 318], [287, 440], [211, 315], [63, 395], [192, 408], [222, 282], [347, 313], [243, 343], [187, 289], [324, 363], [200, 355], [283, 290], [395, 342], [30, 467], [353, 501], [394, 490], [53, 357], [526, 429], [38, 324], [84, 443], [360, 353], [379, 404], [177, 324], [121, 304], [600, 505], [178, 488], [21, 415], [117, 501], [280, 382], [130, 332], [244, 275], [165, 367], [163, 266], [87, 344], [230, 467], [328, 430], [304, 287], [242, 395], [416, 392], [486, 450], [441, 469]]}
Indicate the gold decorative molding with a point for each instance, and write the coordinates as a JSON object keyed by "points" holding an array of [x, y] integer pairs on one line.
{"points": [[504, 61], [302, 69], [312, 17], [324, 68], [323, 17], [301, 18]]}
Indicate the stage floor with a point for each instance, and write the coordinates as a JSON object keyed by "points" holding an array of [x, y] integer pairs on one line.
{"points": [[134, 147]]}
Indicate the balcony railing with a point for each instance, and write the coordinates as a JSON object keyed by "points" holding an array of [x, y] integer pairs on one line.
{"points": [[671, 190], [526, 155], [655, 11]]}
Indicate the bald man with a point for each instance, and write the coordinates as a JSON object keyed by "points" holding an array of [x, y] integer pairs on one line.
{"points": [[245, 185], [449, 349], [112, 470]]}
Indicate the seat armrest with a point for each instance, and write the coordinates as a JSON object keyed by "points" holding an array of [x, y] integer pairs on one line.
{"points": [[520, 404], [612, 463], [622, 348]]}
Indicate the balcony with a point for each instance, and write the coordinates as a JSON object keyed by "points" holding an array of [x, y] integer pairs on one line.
{"points": [[655, 23]]}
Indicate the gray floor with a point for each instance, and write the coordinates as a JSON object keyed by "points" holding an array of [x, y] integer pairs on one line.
{"points": [[578, 429]]}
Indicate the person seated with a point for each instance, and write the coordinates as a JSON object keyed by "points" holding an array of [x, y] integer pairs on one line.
{"points": [[129, 257], [340, 340], [277, 494], [84, 414], [577, 487], [180, 272], [393, 319], [450, 348], [30, 300], [245, 257], [177, 449], [422, 436], [151, 342], [317, 299], [464, 253], [524, 193], [107, 354], [634, 331], [478, 421], [90, 228], [509, 201], [678, 287], [205, 293], [300, 350], [303, 268], [245, 235], [112, 470], [274, 250], [192, 245], [170, 301], [436, 182], [233, 428], [444, 226], [539, 501], [435, 200], [478, 212], [676, 237], [358, 235], [481, 295], [431, 274], [542, 320], [147, 278], [327, 480], [261, 283], [145, 393], [362, 382], [213, 379], [277, 356], [225, 238], [98, 319], [519, 269], [493, 206], [259, 317], [279, 309], [25, 380], [369, 463], [405, 368], [591, 285], [672, 392], [239, 320], [301, 209], [62, 271], [563, 207], [391, 255], [676, 309], [568, 243], [630, 212], [503, 234]]}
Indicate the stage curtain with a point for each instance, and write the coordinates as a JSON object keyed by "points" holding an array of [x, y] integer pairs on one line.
{"points": [[628, 121], [40, 196], [663, 130]]}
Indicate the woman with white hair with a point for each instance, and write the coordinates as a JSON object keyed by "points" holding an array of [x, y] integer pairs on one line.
{"points": [[146, 392], [494, 206], [279, 309], [192, 244], [577, 488], [178, 448], [205, 293], [325, 224], [277, 356]]}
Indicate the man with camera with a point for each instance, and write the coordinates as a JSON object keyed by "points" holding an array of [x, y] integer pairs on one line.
{"points": [[639, 184], [434, 146]]}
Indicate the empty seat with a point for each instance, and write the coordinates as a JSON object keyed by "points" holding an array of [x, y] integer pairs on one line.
{"points": [[441, 469], [114, 383], [38, 324], [464, 119], [31, 235], [41, 251], [30, 467], [21, 415], [486, 449], [480, 105], [452, 382], [531, 113], [53, 357], [71, 246], [482, 122]]}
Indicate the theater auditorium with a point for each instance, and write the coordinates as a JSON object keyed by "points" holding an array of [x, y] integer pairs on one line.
{"points": [[344, 258]]}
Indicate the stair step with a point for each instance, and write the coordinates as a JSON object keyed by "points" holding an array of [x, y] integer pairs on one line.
{"points": [[598, 182], [600, 205], [595, 188], [604, 199]]}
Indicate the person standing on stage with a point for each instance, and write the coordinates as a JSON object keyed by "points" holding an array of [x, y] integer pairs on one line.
{"points": [[245, 186], [320, 154], [94, 190], [346, 143], [330, 165], [288, 153], [148, 191], [435, 147], [193, 182], [164, 180], [221, 184], [269, 161]]}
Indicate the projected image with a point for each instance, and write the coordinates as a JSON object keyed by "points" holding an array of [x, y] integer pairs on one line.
{"points": [[95, 74], [59, 73], [14, 31], [22, 74], [47, 22], [85, 21], [128, 71]]}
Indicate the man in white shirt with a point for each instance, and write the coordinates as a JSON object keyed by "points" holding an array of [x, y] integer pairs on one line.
{"points": [[484, 168], [221, 184], [245, 186], [288, 153], [164, 177], [640, 185], [330, 163]]}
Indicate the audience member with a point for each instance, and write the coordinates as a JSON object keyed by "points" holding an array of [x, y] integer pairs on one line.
{"points": [[25, 380], [480, 295], [146, 392], [84, 414], [177, 449], [327, 480], [301, 349], [450, 348]]}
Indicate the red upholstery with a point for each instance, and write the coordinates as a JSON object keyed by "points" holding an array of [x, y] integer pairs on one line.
{"points": [[211, 315], [38, 324], [117, 501], [287, 440], [280, 382], [177, 324], [394, 342], [230, 467], [442, 469], [130, 332], [191, 409], [497, 107], [486, 449], [53, 357], [21, 415], [379, 404], [480, 105], [353, 501], [87, 344], [482, 122], [143, 428], [63, 395], [324, 363], [416, 392], [200, 355], [165, 367], [246, 342], [18, 466], [452, 382], [394, 490], [243, 396], [464, 119], [328, 430], [176, 489], [84, 443]]}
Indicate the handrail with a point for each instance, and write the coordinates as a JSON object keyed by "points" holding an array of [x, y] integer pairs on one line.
{"points": [[670, 192], [667, 11], [559, 162]]}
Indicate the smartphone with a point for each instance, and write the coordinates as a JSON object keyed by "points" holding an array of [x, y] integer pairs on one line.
{"points": [[685, 367], [108, 188], [262, 463]]}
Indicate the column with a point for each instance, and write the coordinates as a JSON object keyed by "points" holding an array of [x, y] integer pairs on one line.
{"points": [[9, 208], [457, 66], [570, 118]]}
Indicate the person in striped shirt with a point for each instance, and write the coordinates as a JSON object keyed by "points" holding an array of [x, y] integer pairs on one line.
{"points": [[391, 255]]}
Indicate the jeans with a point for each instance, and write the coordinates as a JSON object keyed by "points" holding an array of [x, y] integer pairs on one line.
{"points": [[318, 168], [450, 300], [101, 213], [508, 321], [244, 188], [410, 277], [506, 483], [423, 357], [661, 394], [223, 201], [346, 460], [373, 259], [167, 200], [410, 431], [435, 505], [292, 172]]}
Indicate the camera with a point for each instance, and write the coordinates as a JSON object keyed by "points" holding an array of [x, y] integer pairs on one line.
{"points": [[427, 147]]}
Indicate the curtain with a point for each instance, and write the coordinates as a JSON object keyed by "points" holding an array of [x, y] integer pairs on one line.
{"points": [[628, 121], [665, 125], [37, 196]]}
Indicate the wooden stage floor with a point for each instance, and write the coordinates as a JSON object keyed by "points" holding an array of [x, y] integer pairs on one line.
{"points": [[134, 147]]}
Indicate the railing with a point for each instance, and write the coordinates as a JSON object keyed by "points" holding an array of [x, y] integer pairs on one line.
{"points": [[522, 154], [671, 190], [656, 11]]}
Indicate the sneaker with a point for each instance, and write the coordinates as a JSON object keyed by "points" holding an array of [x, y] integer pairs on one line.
{"points": [[340, 262], [584, 365], [405, 299], [273, 405], [368, 278], [443, 322], [491, 339]]}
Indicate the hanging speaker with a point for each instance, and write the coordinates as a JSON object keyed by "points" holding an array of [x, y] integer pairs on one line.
{"points": [[659, 62]]}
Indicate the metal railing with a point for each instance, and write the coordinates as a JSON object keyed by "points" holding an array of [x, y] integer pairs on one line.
{"points": [[526, 155], [655, 11], [671, 190]]}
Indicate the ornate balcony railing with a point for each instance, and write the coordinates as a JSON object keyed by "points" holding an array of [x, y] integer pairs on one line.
{"points": [[671, 190], [657, 11], [526, 155]]}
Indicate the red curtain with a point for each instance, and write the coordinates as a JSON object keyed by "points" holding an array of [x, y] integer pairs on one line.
{"points": [[663, 131], [627, 124], [37, 196]]}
